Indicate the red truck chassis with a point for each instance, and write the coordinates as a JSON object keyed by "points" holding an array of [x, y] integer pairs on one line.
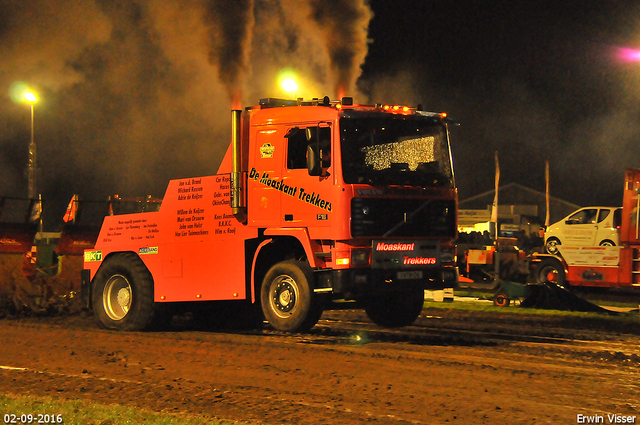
{"points": [[600, 266], [314, 202]]}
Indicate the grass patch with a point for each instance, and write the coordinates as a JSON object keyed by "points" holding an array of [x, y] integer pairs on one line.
{"points": [[84, 412], [517, 310], [599, 298], [490, 308]]}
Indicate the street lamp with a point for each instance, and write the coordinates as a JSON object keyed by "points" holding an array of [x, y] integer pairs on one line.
{"points": [[32, 99], [287, 81], [290, 86]]}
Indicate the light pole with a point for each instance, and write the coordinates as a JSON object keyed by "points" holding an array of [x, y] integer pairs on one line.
{"points": [[32, 99]]}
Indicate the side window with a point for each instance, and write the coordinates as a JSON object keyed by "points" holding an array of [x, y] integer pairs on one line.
{"points": [[325, 146], [296, 148], [604, 213], [583, 217], [590, 216], [617, 218]]}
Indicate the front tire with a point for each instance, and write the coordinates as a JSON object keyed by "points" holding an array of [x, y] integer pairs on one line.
{"points": [[551, 246], [122, 295], [396, 309], [287, 297]]}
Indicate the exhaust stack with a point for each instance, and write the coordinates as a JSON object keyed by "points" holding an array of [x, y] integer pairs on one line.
{"points": [[238, 207]]}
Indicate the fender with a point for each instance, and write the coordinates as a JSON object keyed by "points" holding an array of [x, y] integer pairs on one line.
{"points": [[88, 274], [541, 256], [302, 235], [537, 258], [94, 271], [253, 267]]}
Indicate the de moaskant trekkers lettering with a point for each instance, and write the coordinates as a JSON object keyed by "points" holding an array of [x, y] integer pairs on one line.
{"points": [[293, 191]]}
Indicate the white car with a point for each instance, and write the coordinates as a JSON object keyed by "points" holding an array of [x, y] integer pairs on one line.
{"points": [[588, 226]]}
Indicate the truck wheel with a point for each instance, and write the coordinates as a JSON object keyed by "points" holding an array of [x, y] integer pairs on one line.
{"points": [[395, 309], [122, 294], [551, 270], [287, 297]]}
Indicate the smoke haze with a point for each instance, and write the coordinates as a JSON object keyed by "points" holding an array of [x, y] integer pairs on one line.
{"points": [[135, 93]]}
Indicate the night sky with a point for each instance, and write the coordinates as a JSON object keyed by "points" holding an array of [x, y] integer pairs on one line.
{"points": [[135, 93]]}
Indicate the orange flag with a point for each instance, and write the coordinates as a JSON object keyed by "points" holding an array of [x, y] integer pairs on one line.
{"points": [[72, 209]]}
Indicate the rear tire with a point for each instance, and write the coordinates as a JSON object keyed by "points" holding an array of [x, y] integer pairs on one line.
{"points": [[551, 271], [122, 295], [288, 301], [395, 309]]}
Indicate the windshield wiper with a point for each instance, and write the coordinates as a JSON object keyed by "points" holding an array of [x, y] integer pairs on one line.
{"points": [[407, 218]]}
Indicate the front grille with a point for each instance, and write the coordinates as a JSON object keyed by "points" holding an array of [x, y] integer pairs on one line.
{"points": [[377, 216]]}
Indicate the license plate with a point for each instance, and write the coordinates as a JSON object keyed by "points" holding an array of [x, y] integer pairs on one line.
{"points": [[417, 274]]}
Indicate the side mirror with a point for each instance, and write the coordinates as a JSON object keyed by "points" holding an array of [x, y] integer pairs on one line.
{"points": [[319, 139], [311, 134], [313, 160]]}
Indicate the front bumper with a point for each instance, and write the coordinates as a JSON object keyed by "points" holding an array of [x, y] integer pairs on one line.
{"points": [[354, 283]]}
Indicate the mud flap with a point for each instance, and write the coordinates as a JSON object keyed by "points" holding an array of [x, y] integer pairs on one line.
{"points": [[85, 288]]}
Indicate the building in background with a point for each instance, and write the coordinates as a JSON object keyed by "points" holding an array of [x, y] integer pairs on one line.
{"points": [[519, 208]]}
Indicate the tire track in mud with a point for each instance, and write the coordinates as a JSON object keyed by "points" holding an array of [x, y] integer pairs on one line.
{"points": [[593, 345], [346, 370]]}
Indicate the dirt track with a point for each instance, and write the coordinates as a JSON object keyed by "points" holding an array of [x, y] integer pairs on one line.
{"points": [[451, 367]]}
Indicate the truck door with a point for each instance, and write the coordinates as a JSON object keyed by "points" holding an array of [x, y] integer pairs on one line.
{"points": [[265, 176], [306, 200]]}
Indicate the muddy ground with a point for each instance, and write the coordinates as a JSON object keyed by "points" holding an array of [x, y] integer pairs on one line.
{"points": [[452, 366]]}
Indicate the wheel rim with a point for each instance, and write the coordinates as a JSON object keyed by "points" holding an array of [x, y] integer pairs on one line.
{"points": [[116, 297], [552, 246], [549, 274], [283, 296]]}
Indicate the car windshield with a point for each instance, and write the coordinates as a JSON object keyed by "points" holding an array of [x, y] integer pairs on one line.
{"points": [[386, 149]]}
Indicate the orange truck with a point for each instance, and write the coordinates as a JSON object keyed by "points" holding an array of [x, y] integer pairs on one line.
{"points": [[315, 202], [600, 266]]}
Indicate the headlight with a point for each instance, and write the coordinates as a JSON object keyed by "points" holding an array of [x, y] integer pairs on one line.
{"points": [[360, 257], [448, 256]]}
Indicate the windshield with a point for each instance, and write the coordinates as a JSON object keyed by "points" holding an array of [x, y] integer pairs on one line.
{"points": [[384, 149]]}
